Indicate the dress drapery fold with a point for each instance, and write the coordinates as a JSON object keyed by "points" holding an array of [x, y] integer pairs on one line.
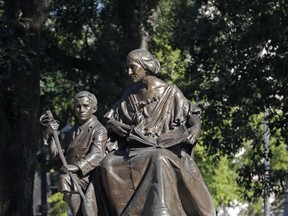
{"points": [[152, 172]]}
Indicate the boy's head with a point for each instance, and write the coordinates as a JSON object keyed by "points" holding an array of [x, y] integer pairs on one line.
{"points": [[85, 105]]}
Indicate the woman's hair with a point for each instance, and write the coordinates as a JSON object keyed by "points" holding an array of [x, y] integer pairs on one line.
{"points": [[145, 59], [92, 98]]}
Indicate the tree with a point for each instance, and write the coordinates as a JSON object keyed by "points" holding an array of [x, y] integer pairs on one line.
{"points": [[20, 62]]}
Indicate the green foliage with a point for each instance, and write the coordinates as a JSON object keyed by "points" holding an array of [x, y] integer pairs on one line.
{"points": [[238, 59], [57, 93], [224, 183], [255, 209], [57, 205], [220, 177]]}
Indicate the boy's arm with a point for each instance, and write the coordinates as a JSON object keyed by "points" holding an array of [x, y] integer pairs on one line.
{"points": [[96, 153]]}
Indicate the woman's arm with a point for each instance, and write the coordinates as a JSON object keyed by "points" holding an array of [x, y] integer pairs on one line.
{"points": [[119, 128], [194, 128]]}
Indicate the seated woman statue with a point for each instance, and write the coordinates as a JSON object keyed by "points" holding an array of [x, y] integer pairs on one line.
{"points": [[153, 129]]}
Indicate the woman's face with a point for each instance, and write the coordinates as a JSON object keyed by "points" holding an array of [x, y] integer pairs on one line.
{"points": [[135, 70]]}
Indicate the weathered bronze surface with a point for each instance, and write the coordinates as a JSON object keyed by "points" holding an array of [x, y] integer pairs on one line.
{"points": [[149, 170], [84, 147]]}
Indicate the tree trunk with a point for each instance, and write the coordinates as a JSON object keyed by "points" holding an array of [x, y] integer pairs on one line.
{"points": [[20, 107], [148, 26], [138, 19]]}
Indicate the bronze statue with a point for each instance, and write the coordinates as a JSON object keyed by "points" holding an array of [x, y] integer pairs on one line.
{"points": [[84, 147], [153, 130]]}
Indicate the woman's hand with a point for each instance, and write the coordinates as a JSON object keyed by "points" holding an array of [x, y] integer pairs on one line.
{"points": [[193, 136], [119, 128], [69, 168], [194, 129]]}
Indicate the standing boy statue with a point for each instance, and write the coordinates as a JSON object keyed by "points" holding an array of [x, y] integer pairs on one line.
{"points": [[84, 148]]}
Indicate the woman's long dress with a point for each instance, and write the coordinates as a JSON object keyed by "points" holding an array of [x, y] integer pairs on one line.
{"points": [[152, 172]]}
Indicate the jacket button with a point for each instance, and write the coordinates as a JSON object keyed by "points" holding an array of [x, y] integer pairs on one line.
{"points": [[77, 156]]}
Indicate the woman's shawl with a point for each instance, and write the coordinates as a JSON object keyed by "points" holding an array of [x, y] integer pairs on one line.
{"points": [[166, 124]]}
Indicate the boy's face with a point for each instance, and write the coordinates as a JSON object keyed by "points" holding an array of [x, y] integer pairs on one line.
{"points": [[83, 109]]}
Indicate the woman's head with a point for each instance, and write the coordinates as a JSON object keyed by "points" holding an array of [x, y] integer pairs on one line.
{"points": [[145, 59]]}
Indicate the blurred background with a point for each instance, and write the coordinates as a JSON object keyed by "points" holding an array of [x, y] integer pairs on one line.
{"points": [[228, 57]]}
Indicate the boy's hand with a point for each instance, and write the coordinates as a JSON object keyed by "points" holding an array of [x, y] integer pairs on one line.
{"points": [[69, 168], [52, 126]]}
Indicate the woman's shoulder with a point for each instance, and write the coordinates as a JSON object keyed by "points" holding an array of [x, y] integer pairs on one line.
{"points": [[160, 85]]}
